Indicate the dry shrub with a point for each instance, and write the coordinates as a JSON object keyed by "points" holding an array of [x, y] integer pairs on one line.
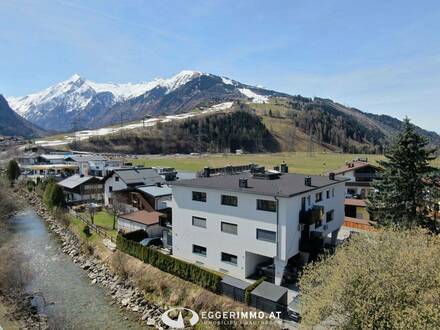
{"points": [[119, 264], [383, 280]]}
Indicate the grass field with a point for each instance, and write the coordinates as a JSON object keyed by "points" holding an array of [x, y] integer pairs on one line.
{"points": [[299, 162]]}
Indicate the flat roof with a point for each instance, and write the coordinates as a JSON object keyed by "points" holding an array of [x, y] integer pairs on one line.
{"points": [[235, 282], [269, 291], [355, 202], [287, 185], [156, 191]]}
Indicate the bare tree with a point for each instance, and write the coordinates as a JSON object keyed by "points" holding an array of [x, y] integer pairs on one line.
{"points": [[117, 207]]}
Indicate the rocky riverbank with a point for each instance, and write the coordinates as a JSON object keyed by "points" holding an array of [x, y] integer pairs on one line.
{"points": [[122, 291]]}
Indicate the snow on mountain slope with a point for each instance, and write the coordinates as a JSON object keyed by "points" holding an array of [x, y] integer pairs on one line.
{"points": [[254, 96], [76, 93]]}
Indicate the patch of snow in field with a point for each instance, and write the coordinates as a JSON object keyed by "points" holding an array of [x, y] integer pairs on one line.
{"points": [[220, 106], [254, 96]]}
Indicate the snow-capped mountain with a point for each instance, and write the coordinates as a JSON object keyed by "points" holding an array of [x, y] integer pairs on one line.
{"points": [[81, 103]]}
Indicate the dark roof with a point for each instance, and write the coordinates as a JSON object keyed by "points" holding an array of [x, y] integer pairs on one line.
{"points": [[84, 158], [76, 180], [235, 282], [270, 291], [289, 184], [139, 176], [354, 165]]}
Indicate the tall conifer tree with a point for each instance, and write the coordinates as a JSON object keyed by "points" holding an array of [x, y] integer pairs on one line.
{"points": [[400, 195]]}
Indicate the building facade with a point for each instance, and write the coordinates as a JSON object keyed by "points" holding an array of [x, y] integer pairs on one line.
{"points": [[236, 223]]}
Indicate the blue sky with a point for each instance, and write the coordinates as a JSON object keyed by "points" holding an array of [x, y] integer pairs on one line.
{"points": [[378, 56]]}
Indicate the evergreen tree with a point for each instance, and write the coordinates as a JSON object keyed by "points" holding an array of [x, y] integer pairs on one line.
{"points": [[54, 196], [13, 171], [399, 197]]}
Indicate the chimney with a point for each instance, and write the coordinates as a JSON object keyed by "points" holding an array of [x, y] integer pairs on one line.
{"points": [[308, 181], [276, 168], [284, 168], [158, 184], [331, 176], [242, 183], [206, 172]]}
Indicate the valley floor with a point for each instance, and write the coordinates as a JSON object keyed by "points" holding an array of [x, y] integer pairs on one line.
{"points": [[298, 162]]}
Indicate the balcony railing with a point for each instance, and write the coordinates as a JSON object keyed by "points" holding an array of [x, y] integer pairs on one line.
{"points": [[311, 215]]}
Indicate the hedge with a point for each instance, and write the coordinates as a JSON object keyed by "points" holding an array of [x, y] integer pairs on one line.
{"points": [[250, 288], [190, 272]]}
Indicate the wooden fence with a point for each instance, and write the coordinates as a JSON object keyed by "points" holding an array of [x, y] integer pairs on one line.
{"points": [[93, 227]]}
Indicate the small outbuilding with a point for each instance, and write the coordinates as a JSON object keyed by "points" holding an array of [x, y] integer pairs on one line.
{"points": [[234, 287], [269, 297], [141, 220]]}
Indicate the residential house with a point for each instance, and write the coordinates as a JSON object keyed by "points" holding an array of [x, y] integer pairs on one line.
{"points": [[237, 223], [94, 165], [79, 188], [127, 179], [361, 174]]}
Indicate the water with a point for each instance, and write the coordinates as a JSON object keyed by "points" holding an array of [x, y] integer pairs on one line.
{"points": [[71, 301]]}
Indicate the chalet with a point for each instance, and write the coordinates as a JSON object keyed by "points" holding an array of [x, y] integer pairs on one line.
{"points": [[127, 180], [360, 174], [79, 188]]}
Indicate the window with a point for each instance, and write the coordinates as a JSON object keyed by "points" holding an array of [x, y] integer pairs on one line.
{"points": [[229, 200], [266, 235], [197, 249], [116, 178], [309, 200], [229, 228], [328, 194], [318, 197], [329, 216], [333, 192], [199, 196], [229, 258], [199, 222], [110, 188], [265, 205], [303, 203]]}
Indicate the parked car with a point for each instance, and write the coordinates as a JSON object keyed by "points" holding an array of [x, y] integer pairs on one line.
{"points": [[151, 241], [294, 310]]}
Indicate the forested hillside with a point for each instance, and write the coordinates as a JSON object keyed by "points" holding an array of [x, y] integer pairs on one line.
{"points": [[222, 132]]}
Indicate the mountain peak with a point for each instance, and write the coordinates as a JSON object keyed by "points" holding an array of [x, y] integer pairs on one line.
{"points": [[75, 77]]}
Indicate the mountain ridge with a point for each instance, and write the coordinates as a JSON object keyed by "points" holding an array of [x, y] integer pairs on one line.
{"points": [[12, 124], [78, 103]]}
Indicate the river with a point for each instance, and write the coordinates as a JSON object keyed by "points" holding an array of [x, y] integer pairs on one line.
{"points": [[71, 302]]}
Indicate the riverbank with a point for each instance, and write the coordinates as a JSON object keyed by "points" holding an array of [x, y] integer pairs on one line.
{"points": [[122, 291]]}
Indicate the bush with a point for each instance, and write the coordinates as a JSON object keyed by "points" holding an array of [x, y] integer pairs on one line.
{"points": [[383, 280], [250, 288], [190, 272], [86, 230]]}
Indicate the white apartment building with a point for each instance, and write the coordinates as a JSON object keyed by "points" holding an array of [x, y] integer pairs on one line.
{"points": [[234, 223]]}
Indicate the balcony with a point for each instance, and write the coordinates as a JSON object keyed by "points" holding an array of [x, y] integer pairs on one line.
{"points": [[312, 215]]}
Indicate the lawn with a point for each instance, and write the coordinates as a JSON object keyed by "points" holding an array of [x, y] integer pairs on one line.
{"points": [[102, 219], [299, 162]]}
